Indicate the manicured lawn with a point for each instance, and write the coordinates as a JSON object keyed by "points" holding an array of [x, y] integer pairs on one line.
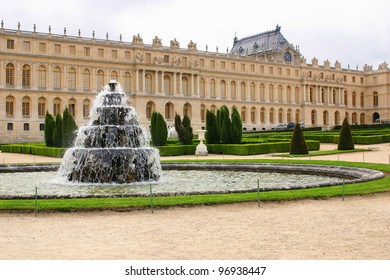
{"points": [[78, 204]]}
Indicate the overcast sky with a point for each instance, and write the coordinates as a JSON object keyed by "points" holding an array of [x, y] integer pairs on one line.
{"points": [[354, 32]]}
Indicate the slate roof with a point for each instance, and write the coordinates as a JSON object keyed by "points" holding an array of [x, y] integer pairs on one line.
{"points": [[269, 41]]}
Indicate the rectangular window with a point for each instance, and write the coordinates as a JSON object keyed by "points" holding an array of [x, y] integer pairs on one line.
{"points": [[288, 72], [184, 64], [114, 54], [310, 74], [10, 44], [212, 64], [223, 64], [100, 52], [42, 47], [26, 46], [252, 68], [353, 80], [127, 55], [10, 126], [296, 73], [361, 80], [41, 127], [87, 51], [271, 70], [233, 66], [57, 48], [202, 63], [26, 126], [242, 66], [72, 50], [166, 58], [262, 69], [279, 71], [345, 78]]}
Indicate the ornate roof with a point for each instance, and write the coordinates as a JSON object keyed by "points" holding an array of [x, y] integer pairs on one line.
{"points": [[269, 41]]}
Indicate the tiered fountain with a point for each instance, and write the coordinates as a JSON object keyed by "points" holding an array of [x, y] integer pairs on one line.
{"points": [[112, 148]]}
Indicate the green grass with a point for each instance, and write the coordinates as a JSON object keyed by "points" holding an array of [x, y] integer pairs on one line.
{"points": [[322, 153], [85, 204]]}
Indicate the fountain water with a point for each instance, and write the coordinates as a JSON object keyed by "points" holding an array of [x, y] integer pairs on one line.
{"points": [[112, 147]]}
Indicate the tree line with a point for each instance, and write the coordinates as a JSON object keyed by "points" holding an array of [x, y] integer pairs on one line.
{"points": [[61, 131]]}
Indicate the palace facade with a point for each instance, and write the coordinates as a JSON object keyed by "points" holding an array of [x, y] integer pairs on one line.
{"points": [[264, 76]]}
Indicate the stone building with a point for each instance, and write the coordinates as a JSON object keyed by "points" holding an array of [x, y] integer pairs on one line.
{"points": [[264, 76]]}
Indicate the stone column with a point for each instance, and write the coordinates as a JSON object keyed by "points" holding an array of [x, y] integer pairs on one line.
{"points": [[143, 80], [174, 83], [304, 93], [156, 83], [136, 81], [192, 85], [162, 82], [180, 83]]}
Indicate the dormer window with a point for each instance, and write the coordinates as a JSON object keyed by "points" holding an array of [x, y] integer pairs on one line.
{"points": [[255, 46], [241, 50], [287, 56]]}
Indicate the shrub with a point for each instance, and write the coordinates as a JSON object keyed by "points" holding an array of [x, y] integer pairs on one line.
{"points": [[212, 136], [184, 129], [223, 122], [160, 131], [298, 144], [49, 129], [346, 140], [153, 126], [57, 135], [236, 127]]}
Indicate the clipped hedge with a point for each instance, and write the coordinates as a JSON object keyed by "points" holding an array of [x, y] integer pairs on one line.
{"points": [[177, 150], [33, 149], [364, 140], [323, 138]]}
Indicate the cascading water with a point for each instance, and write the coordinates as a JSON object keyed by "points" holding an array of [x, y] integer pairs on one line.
{"points": [[112, 147]]}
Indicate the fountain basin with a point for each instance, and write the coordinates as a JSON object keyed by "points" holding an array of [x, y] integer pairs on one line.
{"points": [[186, 179]]}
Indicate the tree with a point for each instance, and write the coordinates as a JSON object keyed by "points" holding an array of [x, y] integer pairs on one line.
{"points": [[153, 126], [298, 143], [346, 140], [57, 135], [68, 129], [184, 129], [160, 131], [49, 129], [212, 136], [224, 125], [236, 128]]}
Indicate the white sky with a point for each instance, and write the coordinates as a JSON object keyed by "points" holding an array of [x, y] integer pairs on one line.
{"points": [[355, 32]]}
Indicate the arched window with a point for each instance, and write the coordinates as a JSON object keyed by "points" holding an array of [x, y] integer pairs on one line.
{"points": [[253, 92], [375, 99], [26, 76], [114, 76], [9, 106], [296, 94], [86, 108], [311, 95], [243, 114], [127, 82], [187, 110], [56, 106], [297, 115], [289, 117], [323, 95], [184, 86], [243, 91], [41, 107], [212, 88], [26, 107], [280, 93], [287, 57], [72, 107], [289, 99], [280, 115], [223, 89], [262, 92], [100, 80], [57, 77], [10, 75], [42, 77], [325, 118], [354, 99], [202, 113], [86, 80], [262, 115], [271, 93], [313, 117], [362, 99], [337, 118], [334, 97], [233, 90], [150, 108], [271, 115], [72, 79], [148, 83], [354, 118], [169, 111], [253, 115], [202, 88], [362, 118], [167, 85], [345, 98]]}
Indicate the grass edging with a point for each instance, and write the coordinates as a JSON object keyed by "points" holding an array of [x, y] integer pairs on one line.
{"points": [[87, 204]]}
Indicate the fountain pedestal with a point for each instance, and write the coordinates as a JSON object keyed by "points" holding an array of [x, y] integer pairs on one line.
{"points": [[201, 149]]}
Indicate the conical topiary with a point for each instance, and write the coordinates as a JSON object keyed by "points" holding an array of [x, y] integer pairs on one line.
{"points": [[346, 140], [298, 144]]}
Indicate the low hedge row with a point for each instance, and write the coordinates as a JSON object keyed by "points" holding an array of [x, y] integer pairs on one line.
{"points": [[32, 149], [236, 149], [357, 139]]}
